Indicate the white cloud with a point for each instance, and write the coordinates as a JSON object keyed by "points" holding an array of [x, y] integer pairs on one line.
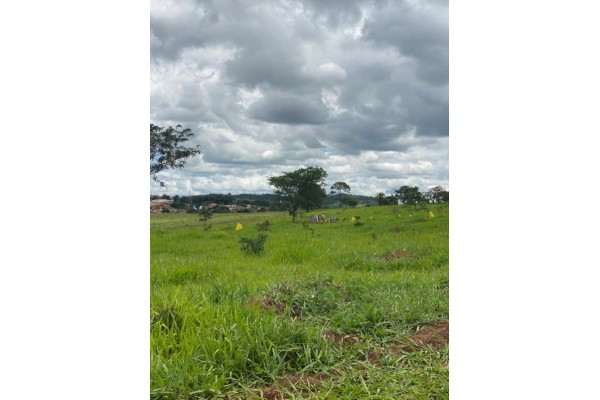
{"points": [[332, 71], [270, 88]]}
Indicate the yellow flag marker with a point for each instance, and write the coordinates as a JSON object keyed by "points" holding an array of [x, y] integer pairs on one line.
{"points": [[430, 214], [353, 219], [238, 227]]}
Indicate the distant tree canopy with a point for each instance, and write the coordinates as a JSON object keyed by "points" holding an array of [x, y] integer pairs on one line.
{"points": [[438, 194], [348, 201], [381, 199], [302, 189], [252, 202], [410, 196], [166, 150], [339, 188]]}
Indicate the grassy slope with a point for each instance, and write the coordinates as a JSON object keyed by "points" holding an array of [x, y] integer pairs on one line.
{"points": [[225, 323]]}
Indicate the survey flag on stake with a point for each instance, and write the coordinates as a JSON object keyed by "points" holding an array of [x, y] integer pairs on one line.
{"points": [[430, 214], [238, 227]]}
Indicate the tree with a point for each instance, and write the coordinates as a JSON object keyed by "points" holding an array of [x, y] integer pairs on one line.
{"points": [[302, 188], [410, 195], [438, 194], [166, 150], [349, 201], [338, 188], [381, 199], [313, 196]]}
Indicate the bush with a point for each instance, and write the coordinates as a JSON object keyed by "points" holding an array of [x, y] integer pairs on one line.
{"points": [[264, 226], [205, 214], [254, 247], [220, 209]]}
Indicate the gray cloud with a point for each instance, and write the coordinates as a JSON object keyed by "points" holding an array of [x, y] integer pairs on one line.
{"points": [[419, 32], [288, 108], [359, 87]]}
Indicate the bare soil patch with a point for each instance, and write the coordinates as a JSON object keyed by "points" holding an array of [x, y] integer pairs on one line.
{"points": [[435, 336], [296, 384], [270, 304]]}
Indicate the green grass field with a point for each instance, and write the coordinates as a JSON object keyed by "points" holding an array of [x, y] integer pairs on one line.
{"points": [[327, 311]]}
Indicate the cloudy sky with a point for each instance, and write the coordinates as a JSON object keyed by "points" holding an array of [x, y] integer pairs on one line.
{"points": [[359, 88]]}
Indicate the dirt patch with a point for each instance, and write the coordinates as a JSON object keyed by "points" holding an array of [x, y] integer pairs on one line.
{"points": [[271, 393], [267, 304], [372, 357], [396, 255], [270, 304], [434, 336], [303, 384], [396, 230]]}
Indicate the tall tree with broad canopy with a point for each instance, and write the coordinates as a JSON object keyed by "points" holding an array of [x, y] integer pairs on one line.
{"points": [[302, 188], [410, 196], [338, 188], [166, 150], [381, 199], [438, 194]]}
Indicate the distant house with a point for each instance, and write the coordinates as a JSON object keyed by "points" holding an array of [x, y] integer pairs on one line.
{"points": [[157, 205]]}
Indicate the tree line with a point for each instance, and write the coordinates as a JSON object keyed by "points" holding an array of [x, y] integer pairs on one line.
{"points": [[302, 189]]}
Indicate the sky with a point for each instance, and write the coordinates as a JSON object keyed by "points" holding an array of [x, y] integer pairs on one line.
{"points": [[358, 88]]}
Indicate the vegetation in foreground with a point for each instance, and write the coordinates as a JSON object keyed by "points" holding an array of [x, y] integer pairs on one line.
{"points": [[319, 310]]}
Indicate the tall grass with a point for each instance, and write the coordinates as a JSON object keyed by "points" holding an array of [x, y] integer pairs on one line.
{"points": [[226, 323]]}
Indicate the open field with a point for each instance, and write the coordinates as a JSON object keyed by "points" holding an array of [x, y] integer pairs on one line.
{"points": [[347, 310]]}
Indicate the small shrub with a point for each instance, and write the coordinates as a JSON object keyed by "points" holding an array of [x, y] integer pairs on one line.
{"points": [[252, 246], [264, 226], [205, 214]]}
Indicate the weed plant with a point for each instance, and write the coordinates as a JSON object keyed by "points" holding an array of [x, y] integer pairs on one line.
{"points": [[254, 246]]}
